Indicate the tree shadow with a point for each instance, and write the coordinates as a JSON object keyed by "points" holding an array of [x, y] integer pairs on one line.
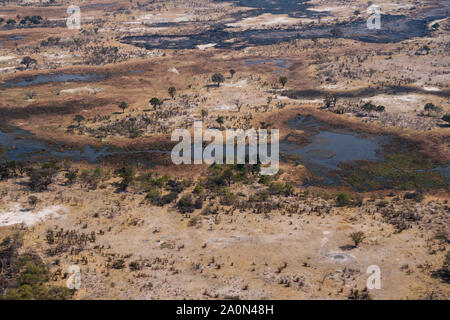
{"points": [[347, 247]]}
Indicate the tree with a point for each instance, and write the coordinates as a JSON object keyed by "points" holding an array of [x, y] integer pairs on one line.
{"points": [[78, 118], [357, 237], [204, 113], [127, 174], [283, 80], [238, 104], [123, 105], [172, 91], [71, 176], [218, 78], [228, 175], [32, 201], [232, 72], [27, 61], [220, 120], [40, 179], [343, 199], [330, 100], [155, 102], [430, 107], [446, 118]]}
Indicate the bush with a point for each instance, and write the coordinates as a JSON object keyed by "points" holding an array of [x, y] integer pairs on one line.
{"points": [[185, 204], [278, 188], [228, 197], [154, 196], [198, 204], [118, 264], [260, 196], [343, 199], [40, 179], [416, 196]]}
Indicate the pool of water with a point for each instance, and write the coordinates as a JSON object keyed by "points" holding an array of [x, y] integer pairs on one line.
{"points": [[54, 77], [22, 145], [327, 148]]}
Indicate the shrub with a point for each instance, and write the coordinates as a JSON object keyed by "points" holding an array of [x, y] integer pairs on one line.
{"points": [[154, 196], [118, 264], [32, 201], [260, 196], [355, 294], [185, 204], [357, 237], [198, 204], [343, 199], [417, 196], [40, 179]]}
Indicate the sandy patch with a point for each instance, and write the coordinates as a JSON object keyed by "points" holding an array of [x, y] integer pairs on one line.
{"points": [[267, 19], [17, 215], [173, 70], [239, 84], [81, 90], [433, 89], [6, 58], [206, 46], [224, 107]]}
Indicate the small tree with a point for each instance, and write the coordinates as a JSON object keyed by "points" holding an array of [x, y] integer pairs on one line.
{"points": [[220, 120], [78, 118], [430, 107], [123, 105], [27, 61], [343, 199], [204, 113], [32, 201], [232, 73], [172, 91], [155, 102], [71, 176], [330, 100], [238, 104], [357, 238], [283, 80], [218, 78], [127, 174]]}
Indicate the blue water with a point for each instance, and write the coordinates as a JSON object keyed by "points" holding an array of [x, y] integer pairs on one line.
{"points": [[53, 77], [328, 149], [20, 145], [280, 63]]}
